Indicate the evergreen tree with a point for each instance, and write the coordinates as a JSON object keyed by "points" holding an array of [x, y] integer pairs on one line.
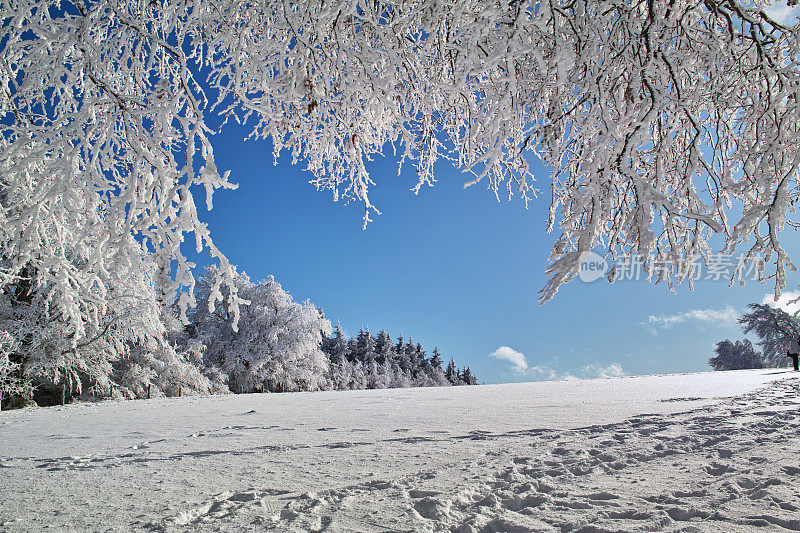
{"points": [[411, 358], [352, 350], [335, 345], [420, 361], [358, 378], [401, 355], [374, 363], [468, 378], [400, 346], [436, 359], [383, 347], [452, 373], [365, 347]]}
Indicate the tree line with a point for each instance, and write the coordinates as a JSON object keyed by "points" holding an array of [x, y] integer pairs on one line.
{"points": [[369, 362], [142, 349]]}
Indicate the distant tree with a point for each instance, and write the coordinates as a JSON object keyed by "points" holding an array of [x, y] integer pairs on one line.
{"points": [[358, 377], [365, 347], [383, 347], [736, 356], [352, 350], [401, 355], [400, 346], [436, 358], [452, 373], [413, 358], [374, 378], [340, 375], [335, 346], [777, 332], [421, 362], [434, 374], [374, 363]]}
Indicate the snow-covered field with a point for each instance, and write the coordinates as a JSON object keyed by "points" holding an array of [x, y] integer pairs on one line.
{"points": [[712, 451]]}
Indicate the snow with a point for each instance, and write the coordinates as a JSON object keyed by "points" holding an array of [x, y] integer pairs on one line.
{"points": [[712, 450]]}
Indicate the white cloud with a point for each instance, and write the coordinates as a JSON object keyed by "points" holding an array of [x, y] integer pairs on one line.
{"points": [[614, 370], [785, 302], [544, 372], [552, 371], [719, 317], [518, 362]]}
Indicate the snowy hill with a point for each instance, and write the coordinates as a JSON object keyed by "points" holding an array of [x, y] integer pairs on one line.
{"points": [[718, 451]]}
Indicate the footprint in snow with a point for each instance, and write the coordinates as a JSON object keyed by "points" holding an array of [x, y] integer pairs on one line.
{"points": [[422, 493], [718, 469]]}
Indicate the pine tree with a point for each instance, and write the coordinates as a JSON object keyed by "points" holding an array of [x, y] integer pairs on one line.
{"points": [[383, 347], [401, 355], [335, 346], [420, 360], [468, 378], [452, 373], [400, 346], [358, 378], [436, 359], [352, 350], [365, 347], [372, 362]]}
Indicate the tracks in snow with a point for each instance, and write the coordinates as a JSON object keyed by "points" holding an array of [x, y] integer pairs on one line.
{"points": [[734, 466]]}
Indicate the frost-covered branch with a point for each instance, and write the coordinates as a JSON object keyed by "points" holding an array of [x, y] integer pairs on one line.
{"points": [[666, 122]]}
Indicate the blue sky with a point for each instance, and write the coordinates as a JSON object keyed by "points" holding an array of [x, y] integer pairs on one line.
{"points": [[454, 268]]}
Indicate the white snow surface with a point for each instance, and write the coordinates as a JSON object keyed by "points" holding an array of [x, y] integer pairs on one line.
{"points": [[710, 451]]}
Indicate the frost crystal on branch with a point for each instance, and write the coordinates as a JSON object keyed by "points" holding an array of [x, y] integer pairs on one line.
{"points": [[665, 123]]}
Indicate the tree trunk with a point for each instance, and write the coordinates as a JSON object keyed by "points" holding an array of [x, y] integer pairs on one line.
{"points": [[148, 391]]}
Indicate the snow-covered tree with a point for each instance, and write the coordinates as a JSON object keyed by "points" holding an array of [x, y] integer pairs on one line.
{"points": [[436, 358], [467, 378], [120, 352], [777, 332], [335, 346], [383, 346], [665, 122], [277, 345], [356, 364], [452, 374], [365, 347], [11, 383], [435, 372], [738, 356]]}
